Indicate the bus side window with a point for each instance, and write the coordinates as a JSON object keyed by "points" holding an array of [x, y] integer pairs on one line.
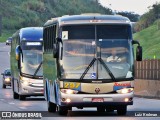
{"points": [[49, 38]]}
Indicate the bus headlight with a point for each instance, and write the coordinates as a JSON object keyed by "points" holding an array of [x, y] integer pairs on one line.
{"points": [[69, 91], [24, 82], [125, 90], [7, 79]]}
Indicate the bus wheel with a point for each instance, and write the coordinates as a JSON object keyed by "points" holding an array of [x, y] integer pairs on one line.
{"points": [[51, 107], [4, 86], [101, 109], [22, 97], [63, 110], [15, 95], [109, 109], [122, 110]]}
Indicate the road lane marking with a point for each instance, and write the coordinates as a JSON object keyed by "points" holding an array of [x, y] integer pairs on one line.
{"points": [[8, 53], [22, 107], [1, 99], [11, 103]]}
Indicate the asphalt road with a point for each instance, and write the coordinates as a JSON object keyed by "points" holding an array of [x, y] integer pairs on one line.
{"points": [[7, 103]]}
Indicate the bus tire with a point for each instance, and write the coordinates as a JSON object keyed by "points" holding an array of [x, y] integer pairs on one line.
{"points": [[110, 109], [51, 107], [4, 86], [62, 110], [15, 95], [122, 110], [22, 97], [100, 109]]}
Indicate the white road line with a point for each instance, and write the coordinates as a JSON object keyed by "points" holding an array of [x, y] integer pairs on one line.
{"points": [[1, 99], [22, 107], [11, 103], [8, 53]]}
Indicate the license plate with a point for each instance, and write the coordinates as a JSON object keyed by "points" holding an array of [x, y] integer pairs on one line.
{"points": [[97, 100]]}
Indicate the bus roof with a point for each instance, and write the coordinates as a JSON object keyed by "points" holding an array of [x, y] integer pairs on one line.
{"points": [[89, 19], [30, 33]]}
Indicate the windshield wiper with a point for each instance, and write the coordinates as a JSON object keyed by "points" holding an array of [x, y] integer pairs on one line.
{"points": [[103, 63], [39, 66], [88, 67], [107, 69]]}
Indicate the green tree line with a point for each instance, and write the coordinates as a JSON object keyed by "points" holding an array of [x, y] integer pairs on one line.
{"points": [[23, 13], [149, 18]]}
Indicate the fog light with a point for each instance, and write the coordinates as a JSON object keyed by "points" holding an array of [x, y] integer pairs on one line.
{"points": [[126, 99], [68, 100]]}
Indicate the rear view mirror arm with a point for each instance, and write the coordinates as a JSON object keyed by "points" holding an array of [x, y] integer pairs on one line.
{"points": [[135, 42]]}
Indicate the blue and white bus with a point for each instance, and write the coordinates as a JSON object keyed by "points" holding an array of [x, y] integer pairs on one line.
{"points": [[78, 66], [26, 62]]}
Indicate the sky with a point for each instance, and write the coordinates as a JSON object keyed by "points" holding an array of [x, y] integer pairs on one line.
{"points": [[137, 6]]}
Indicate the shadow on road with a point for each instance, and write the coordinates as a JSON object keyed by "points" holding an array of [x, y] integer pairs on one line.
{"points": [[88, 114], [34, 99]]}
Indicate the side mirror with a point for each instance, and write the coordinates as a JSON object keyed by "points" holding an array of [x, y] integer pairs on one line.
{"points": [[139, 53], [59, 40], [135, 42], [55, 51], [138, 50], [18, 51], [56, 48]]}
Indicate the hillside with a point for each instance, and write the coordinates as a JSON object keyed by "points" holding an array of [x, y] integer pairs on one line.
{"points": [[23, 13], [150, 40]]}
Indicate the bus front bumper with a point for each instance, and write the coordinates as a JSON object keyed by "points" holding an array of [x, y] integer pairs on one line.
{"points": [[95, 100], [32, 90]]}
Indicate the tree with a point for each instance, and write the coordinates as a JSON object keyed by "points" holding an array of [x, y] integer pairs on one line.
{"points": [[131, 15]]}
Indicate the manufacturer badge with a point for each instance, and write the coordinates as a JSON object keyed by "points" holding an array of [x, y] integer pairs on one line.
{"points": [[97, 90]]}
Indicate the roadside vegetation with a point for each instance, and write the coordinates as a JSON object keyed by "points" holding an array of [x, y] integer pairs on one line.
{"points": [[149, 18], [149, 38], [24, 13], [148, 32]]}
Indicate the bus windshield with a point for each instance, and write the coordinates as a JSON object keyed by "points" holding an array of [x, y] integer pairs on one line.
{"points": [[96, 52], [32, 58]]}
